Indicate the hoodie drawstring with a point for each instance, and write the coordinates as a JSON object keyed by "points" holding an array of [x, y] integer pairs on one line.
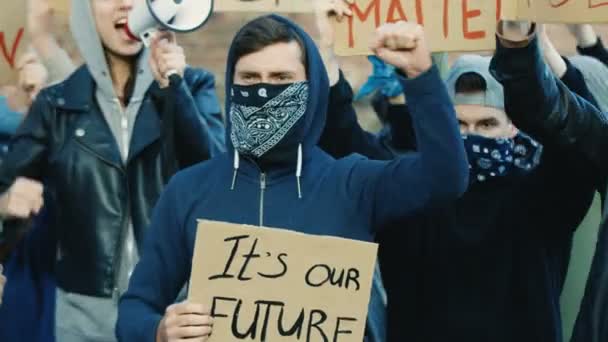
{"points": [[236, 168], [298, 170]]}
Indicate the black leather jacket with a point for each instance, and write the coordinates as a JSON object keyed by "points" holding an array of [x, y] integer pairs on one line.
{"points": [[90, 192], [540, 104]]}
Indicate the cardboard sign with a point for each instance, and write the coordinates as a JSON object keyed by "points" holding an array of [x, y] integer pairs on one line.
{"points": [[564, 11], [275, 285], [62, 7], [294, 6], [12, 38], [457, 25]]}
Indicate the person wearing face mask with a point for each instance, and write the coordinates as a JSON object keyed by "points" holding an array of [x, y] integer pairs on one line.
{"points": [[274, 174], [548, 108], [490, 266], [100, 144]]}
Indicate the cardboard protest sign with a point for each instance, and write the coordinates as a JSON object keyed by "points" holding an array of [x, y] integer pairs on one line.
{"points": [[12, 38], [275, 285], [62, 7], [564, 11], [295, 6], [458, 25]]}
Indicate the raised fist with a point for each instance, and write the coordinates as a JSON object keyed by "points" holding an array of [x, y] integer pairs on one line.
{"points": [[403, 45]]}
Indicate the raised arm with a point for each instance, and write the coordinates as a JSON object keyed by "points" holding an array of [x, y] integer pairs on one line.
{"points": [[540, 104], [438, 171], [191, 112], [589, 43], [562, 68], [200, 117], [343, 135]]}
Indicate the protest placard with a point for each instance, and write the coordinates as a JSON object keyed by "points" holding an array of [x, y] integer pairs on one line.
{"points": [[564, 11], [12, 38], [458, 25], [62, 7], [294, 6], [266, 284]]}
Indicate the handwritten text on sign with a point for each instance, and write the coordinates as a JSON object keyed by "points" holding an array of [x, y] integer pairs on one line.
{"points": [[12, 31], [564, 11], [275, 285], [297, 6], [456, 25]]}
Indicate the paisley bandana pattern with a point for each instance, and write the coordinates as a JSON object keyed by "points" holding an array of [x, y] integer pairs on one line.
{"points": [[491, 158], [263, 114]]}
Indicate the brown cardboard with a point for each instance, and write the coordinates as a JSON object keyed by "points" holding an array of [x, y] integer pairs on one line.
{"points": [[278, 274], [457, 25], [12, 38], [294, 6], [564, 11], [61, 7]]}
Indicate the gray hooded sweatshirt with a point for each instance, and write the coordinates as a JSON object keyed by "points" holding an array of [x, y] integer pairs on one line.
{"points": [[83, 318]]}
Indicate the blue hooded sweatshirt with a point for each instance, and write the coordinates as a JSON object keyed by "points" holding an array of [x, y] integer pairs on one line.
{"points": [[343, 198]]}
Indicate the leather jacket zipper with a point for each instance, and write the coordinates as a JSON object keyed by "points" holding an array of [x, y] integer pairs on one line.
{"points": [[117, 264]]}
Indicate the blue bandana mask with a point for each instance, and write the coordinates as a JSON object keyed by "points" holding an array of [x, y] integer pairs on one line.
{"points": [[491, 158], [263, 114]]}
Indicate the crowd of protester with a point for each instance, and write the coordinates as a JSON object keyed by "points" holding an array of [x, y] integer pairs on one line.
{"points": [[473, 188]]}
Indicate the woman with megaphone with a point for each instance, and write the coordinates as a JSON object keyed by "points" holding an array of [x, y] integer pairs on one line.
{"points": [[102, 145]]}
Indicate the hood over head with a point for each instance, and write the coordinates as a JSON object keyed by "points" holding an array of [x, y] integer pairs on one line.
{"points": [[307, 131]]}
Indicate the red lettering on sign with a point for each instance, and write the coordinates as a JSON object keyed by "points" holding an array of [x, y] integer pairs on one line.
{"points": [[593, 4], [559, 3], [499, 9], [446, 19], [466, 16], [10, 56], [374, 6], [396, 8]]}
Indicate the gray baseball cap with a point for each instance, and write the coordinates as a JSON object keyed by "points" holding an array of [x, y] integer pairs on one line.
{"points": [[492, 97]]}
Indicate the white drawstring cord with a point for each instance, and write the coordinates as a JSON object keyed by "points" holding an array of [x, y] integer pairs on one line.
{"points": [[236, 168], [299, 171]]}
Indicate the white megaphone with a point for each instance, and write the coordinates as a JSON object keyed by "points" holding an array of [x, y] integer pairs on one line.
{"points": [[174, 15]]}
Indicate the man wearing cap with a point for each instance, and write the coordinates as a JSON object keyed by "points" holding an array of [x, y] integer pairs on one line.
{"points": [[491, 265]]}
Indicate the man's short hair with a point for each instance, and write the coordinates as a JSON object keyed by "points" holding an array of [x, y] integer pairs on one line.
{"points": [[263, 32], [470, 82]]}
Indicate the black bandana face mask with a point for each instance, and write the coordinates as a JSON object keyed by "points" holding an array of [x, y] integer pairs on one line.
{"points": [[490, 158], [263, 114]]}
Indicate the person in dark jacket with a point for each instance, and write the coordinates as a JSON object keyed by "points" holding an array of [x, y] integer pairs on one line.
{"points": [[491, 265], [103, 145], [276, 176], [544, 106]]}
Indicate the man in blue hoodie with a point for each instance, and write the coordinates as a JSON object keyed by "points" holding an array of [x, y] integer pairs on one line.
{"points": [[276, 176]]}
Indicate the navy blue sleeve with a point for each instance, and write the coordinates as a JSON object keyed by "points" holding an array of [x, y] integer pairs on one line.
{"points": [[574, 80], [597, 51], [162, 271], [542, 106], [199, 125], [343, 135], [437, 173]]}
